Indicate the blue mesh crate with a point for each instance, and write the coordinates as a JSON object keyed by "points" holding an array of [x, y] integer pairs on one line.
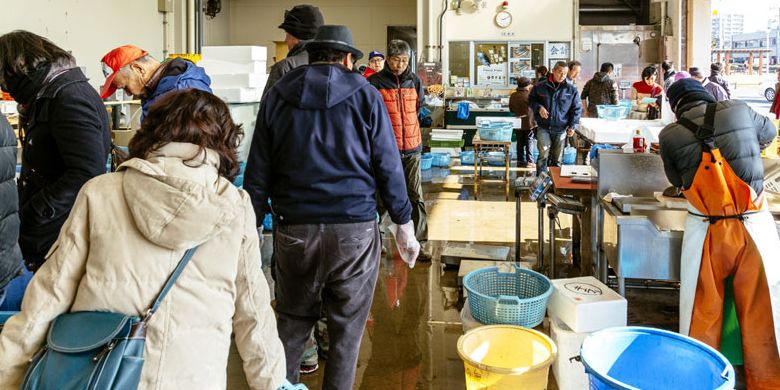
{"points": [[467, 157], [518, 297], [426, 161], [496, 159], [440, 159], [495, 131]]}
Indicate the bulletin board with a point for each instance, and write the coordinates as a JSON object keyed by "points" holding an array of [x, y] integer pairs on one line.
{"points": [[490, 62]]}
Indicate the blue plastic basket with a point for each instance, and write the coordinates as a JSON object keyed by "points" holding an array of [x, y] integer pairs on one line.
{"points": [[613, 112], [467, 157], [515, 298], [440, 159], [495, 159], [426, 161], [495, 131], [628, 358]]}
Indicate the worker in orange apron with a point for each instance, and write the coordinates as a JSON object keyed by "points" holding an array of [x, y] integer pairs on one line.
{"points": [[729, 232]]}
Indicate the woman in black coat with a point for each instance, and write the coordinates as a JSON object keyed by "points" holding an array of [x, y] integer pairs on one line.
{"points": [[10, 257], [66, 135]]}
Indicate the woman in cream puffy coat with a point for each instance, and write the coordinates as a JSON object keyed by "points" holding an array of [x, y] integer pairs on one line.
{"points": [[126, 234]]}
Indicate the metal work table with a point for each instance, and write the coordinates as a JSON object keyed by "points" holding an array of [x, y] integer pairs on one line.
{"points": [[641, 176]]}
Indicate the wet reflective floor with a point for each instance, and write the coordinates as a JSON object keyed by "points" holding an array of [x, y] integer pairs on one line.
{"points": [[410, 341]]}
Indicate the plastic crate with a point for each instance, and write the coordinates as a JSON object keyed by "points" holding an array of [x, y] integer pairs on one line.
{"points": [[446, 143], [426, 161], [467, 157], [440, 159], [518, 297], [495, 159], [613, 112], [495, 131]]}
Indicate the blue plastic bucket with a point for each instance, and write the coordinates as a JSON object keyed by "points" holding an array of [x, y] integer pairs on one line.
{"points": [[631, 358]]}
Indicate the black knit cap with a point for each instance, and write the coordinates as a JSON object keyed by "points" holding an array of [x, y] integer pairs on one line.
{"points": [[685, 91], [302, 21]]}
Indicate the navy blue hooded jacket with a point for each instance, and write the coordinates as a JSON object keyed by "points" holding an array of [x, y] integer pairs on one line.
{"points": [[323, 146], [562, 102]]}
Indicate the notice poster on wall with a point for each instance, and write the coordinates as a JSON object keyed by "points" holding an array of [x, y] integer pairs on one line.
{"points": [[558, 50], [494, 74]]}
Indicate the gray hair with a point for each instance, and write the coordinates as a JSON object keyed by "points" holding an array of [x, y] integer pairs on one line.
{"points": [[147, 59], [560, 64], [398, 47]]}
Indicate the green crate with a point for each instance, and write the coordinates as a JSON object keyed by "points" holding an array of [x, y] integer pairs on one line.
{"points": [[446, 144]]}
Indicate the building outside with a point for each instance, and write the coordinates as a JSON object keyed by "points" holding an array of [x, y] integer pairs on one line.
{"points": [[756, 40], [724, 26]]}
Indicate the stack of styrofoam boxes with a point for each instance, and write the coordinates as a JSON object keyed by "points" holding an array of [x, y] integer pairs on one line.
{"points": [[577, 308], [447, 135], [238, 73], [238, 76]]}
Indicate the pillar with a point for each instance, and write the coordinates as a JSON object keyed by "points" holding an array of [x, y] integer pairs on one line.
{"points": [[699, 34], [750, 63], [728, 63], [760, 63], [718, 57]]}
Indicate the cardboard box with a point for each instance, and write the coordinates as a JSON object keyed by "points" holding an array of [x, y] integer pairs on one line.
{"points": [[569, 374], [215, 67], [240, 80], [237, 54], [586, 305]]}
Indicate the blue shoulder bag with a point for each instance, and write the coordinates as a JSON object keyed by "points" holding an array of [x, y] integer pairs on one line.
{"points": [[95, 350]]}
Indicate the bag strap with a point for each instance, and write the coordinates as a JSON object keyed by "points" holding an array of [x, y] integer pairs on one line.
{"points": [[706, 131], [169, 283]]}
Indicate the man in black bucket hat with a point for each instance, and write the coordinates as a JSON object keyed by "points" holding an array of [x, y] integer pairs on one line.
{"points": [[300, 26], [323, 146]]}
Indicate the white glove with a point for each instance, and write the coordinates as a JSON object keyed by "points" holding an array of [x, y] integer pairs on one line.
{"points": [[406, 242]]}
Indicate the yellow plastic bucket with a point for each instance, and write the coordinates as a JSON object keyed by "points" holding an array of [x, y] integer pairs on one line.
{"points": [[501, 357]]}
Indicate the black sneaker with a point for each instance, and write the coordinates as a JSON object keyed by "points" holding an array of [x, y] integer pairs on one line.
{"points": [[424, 256]]}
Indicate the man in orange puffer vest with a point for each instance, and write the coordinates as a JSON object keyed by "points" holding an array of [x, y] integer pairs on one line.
{"points": [[403, 94]]}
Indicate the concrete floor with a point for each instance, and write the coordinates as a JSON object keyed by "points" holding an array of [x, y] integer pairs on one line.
{"points": [[411, 336]]}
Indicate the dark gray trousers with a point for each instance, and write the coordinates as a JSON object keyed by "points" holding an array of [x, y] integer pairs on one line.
{"points": [[332, 269], [411, 165]]}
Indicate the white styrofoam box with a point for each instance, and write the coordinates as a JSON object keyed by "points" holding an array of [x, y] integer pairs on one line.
{"points": [[454, 152], [569, 374], [239, 95], [245, 114], [215, 67], [468, 320], [446, 135], [240, 80], [8, 107], [586, 305], [239, 54]]}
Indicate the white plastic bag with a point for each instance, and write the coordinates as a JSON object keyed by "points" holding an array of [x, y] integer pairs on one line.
{"points": [[406, 242]]}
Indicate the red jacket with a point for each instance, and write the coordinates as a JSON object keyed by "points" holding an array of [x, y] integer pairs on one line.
{"points": [[368, 72], [403, 98]]}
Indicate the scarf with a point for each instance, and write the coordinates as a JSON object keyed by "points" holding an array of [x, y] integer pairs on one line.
{"points": [[24, 87]]}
